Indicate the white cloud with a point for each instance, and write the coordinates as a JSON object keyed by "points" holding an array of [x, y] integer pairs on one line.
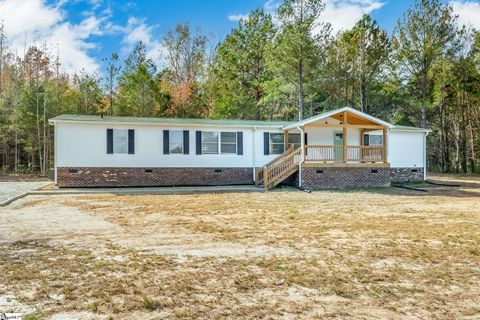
{"points": [[33, 22], [137, 30], [269, 7], [344, 14], [341, 14], [237, 17], [468, 13]]}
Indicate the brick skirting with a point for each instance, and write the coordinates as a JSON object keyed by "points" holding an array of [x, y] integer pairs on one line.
{"points": [[312, 178], [150, 177], [337, 178]]}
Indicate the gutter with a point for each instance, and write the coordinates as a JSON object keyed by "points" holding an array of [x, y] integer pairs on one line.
{"points": [[425, 155], [120, 123]]}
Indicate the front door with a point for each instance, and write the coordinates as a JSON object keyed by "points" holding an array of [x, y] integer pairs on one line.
{"points": [[338, 141]]}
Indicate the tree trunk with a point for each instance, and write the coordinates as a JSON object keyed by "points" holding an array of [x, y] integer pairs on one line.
{"points": [[300, 90], [45, 141], [39, 140]]}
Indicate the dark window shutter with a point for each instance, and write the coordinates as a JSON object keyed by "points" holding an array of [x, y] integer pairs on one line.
{"points": [[240, 143], [266, 143], [131, 141], [109, 141], [366, 140], [306, 139], [198, 142], [166, 142], [186, 142]]}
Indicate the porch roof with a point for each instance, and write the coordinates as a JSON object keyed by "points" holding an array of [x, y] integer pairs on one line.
{"points": [[357, 113]]}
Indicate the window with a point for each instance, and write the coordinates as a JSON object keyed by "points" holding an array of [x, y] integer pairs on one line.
{"points": [[219, 142], [295, 140], [209, 142], [277, 143], [176, 142], [228, 142], [374, 140], [120, 141]]}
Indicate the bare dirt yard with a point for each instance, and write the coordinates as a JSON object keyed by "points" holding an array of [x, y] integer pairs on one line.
{"points": [[383, 253]]}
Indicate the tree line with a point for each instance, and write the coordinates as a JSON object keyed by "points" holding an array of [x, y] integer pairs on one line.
{"points": [[287, 65]]}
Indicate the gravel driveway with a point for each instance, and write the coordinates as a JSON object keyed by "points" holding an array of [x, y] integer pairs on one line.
{"points": [[11, 189]]}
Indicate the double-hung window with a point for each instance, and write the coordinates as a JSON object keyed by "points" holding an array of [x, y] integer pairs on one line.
{"points": [[277, 143], [176, 142], [210, 142], [373, 140], [120, 141], [228, 142], [214, 142], [295, 140]]}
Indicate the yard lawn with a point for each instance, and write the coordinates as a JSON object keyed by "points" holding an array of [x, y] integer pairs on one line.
{"points": [[381, 253]]}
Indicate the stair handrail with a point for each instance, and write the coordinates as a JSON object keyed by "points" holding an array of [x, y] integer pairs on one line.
{"points": [[276, 168]]}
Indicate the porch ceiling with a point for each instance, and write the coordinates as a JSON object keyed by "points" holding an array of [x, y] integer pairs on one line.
{"points": [[354, 117]]}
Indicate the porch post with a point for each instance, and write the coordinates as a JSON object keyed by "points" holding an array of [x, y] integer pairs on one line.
{"points": [[385, 141], [362, 144], [286, 140]]}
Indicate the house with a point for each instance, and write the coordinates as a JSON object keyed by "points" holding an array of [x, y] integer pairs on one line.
{"points": [[336, 149]]}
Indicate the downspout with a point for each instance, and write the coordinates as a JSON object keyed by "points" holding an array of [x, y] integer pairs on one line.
{"points": [[425, 156], [254, 160], [55, 143], [302, 139]]}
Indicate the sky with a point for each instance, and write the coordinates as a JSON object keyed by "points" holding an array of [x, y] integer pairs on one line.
{"points": [[83, 32]]}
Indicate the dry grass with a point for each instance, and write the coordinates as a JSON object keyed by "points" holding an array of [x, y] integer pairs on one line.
{"points": [[375, 253]]}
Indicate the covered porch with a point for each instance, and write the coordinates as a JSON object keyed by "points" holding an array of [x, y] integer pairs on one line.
{"points": [[341, 139]]}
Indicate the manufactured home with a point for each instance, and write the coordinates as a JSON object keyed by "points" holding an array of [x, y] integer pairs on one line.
{"points": [[337, 149]]}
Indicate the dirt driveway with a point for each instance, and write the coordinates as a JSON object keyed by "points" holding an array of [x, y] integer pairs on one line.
{"points": [[356, 254]]}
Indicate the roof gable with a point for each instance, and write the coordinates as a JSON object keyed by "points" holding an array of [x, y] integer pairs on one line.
{"points": [[334, 113]]}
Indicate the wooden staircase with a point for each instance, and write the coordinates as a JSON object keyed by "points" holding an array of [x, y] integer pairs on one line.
{"points": [[279, 169]]}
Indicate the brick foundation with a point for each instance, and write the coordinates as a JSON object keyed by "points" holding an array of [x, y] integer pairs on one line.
{"points": [[312, 178], [150, 177], [338, 178]]}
